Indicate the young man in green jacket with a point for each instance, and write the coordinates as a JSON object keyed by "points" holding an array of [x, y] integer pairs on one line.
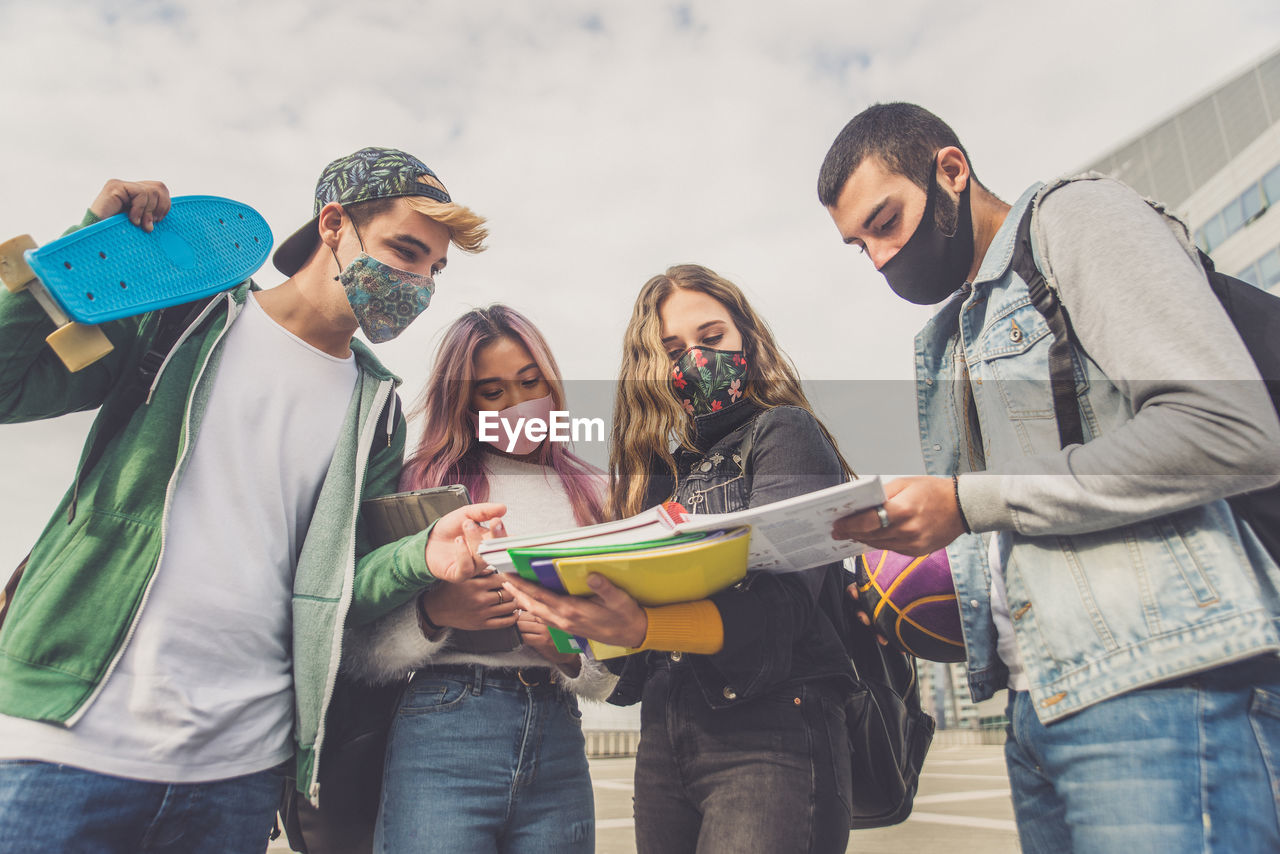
{"points": [[173, 644]]}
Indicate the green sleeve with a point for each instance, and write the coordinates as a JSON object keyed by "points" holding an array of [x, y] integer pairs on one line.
{"points": [[390, 575], [34, 384]]}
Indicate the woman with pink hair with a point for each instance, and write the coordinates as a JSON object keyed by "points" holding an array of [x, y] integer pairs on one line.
{"points": [[486, 751]]}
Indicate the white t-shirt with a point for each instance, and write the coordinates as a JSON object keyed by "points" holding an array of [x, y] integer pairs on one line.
{"points": [[204, 688], [534, 494]]}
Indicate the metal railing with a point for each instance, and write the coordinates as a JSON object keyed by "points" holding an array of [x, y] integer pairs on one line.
{"points": [[611, 742]]}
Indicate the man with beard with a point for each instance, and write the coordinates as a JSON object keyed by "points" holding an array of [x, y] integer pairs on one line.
{"points": [[1132, 616]]}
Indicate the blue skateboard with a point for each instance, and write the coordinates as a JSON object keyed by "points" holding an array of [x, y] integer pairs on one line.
{"points": [[114, 269]]}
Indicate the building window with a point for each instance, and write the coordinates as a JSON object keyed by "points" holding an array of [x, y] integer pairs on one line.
{"points": [[1242, 210], [1233, 217], [1269, 269], [1252, 204], [1265, 272], [1211, 234], [1271, 186]]}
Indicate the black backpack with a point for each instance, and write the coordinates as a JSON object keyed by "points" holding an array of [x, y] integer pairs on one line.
{"points": [[1256, 316], [889, 732]]}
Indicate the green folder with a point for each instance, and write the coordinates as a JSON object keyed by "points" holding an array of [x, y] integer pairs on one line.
{"points": [[523, 558]]}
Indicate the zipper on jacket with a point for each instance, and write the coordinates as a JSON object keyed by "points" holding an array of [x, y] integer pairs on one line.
{"points": [[363, 453], [186, 333], [164, 522]]}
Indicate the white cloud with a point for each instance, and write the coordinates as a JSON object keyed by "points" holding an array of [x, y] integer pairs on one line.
{"points": [[604, 140]]}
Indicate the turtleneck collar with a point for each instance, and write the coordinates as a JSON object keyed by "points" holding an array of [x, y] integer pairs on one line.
{"points": [[711, 428]]}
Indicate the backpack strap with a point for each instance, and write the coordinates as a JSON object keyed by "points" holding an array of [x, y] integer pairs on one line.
{"points": [[1062, 380], [174, 320]]}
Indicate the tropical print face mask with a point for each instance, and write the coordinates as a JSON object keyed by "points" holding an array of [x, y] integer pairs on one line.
{"points": [[706, 380], [384, 299]]}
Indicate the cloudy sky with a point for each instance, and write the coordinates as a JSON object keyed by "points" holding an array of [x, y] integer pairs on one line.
{"points": [[605, 141]]}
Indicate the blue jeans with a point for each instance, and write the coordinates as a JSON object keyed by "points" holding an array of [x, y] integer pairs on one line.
{"points": [[46, 807], [478, 761], [1185, 766], [768, 775]]}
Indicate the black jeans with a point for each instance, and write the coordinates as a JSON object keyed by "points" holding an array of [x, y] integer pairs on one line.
{"points": [[768, 775]]}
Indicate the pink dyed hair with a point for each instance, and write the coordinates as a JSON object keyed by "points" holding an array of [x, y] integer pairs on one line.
{"points": [[449, 451]]}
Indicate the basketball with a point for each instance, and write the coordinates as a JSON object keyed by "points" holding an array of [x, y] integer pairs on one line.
{"points": [[912, 602]]}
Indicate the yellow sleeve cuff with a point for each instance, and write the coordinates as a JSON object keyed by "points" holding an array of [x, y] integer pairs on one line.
{"points": [[693, 627]]}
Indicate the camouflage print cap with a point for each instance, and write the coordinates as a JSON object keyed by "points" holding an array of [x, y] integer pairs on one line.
{"points": [[368, 174]]}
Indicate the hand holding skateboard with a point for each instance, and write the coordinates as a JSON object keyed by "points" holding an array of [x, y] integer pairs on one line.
{"points": [[149, 252], [146, 202]]}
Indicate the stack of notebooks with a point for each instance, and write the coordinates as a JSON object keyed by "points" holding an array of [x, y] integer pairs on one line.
{"points": [[663, 555], [681, 568]]}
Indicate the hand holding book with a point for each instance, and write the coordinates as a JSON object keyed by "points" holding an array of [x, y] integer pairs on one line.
{"points": [[451, 554], [473, 604], [535, 634], [609, 616]]}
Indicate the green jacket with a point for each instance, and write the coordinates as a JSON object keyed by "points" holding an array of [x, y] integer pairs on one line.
{"points": [[90, 570]]}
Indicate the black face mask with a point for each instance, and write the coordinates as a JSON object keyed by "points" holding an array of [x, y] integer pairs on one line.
{"points": [[931, 266]]}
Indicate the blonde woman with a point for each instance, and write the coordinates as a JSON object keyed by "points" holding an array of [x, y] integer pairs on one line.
{"points": [[743, 744]]}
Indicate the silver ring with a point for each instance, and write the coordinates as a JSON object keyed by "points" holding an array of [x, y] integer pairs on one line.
{"points": [[883, 516]]}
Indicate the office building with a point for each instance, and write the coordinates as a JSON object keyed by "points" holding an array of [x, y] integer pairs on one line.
{"points": [[1216, 163]]}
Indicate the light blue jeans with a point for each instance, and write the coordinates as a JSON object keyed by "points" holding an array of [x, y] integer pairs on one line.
{"points": [[1191, 765], [479, 762], [46, 807]]}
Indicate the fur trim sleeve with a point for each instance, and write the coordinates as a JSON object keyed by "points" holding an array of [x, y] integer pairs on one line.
{"points": [[387, 649], [593, 681]]}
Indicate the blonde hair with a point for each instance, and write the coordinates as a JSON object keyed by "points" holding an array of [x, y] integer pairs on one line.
{"points": [[466, 227], [646, 415]]}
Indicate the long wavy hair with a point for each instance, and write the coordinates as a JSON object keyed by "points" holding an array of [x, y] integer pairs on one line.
{"points": [[647, 418], [449, 451]]}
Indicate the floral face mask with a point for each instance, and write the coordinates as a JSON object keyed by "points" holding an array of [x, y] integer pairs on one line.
{"points": [[706, 380]]}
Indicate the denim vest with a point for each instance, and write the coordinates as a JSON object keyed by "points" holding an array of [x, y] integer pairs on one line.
{"points": [[1095, 614]]}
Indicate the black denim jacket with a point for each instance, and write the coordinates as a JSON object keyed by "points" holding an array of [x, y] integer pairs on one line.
{"points": [[779, 629]]}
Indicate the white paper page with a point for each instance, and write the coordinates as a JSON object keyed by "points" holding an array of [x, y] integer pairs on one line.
{"points": [[649, 525], [795, 533]]}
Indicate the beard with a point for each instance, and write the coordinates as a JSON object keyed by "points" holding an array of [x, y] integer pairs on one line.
{"points": [[946, 212]]}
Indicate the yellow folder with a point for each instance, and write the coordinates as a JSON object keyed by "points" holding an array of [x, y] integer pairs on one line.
{"points": [[683, 573]]}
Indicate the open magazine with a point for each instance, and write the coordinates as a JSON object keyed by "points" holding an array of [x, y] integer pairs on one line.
{"points": [[786, 536]]}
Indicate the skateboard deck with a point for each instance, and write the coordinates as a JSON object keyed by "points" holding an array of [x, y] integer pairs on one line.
{"points": [[114, 269]]}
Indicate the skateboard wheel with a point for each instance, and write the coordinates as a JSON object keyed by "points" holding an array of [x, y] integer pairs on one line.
{"points": [[78, 345], [14, 270]]}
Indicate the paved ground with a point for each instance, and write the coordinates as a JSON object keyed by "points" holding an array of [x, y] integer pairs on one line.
{"points": [[962, 808]]}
